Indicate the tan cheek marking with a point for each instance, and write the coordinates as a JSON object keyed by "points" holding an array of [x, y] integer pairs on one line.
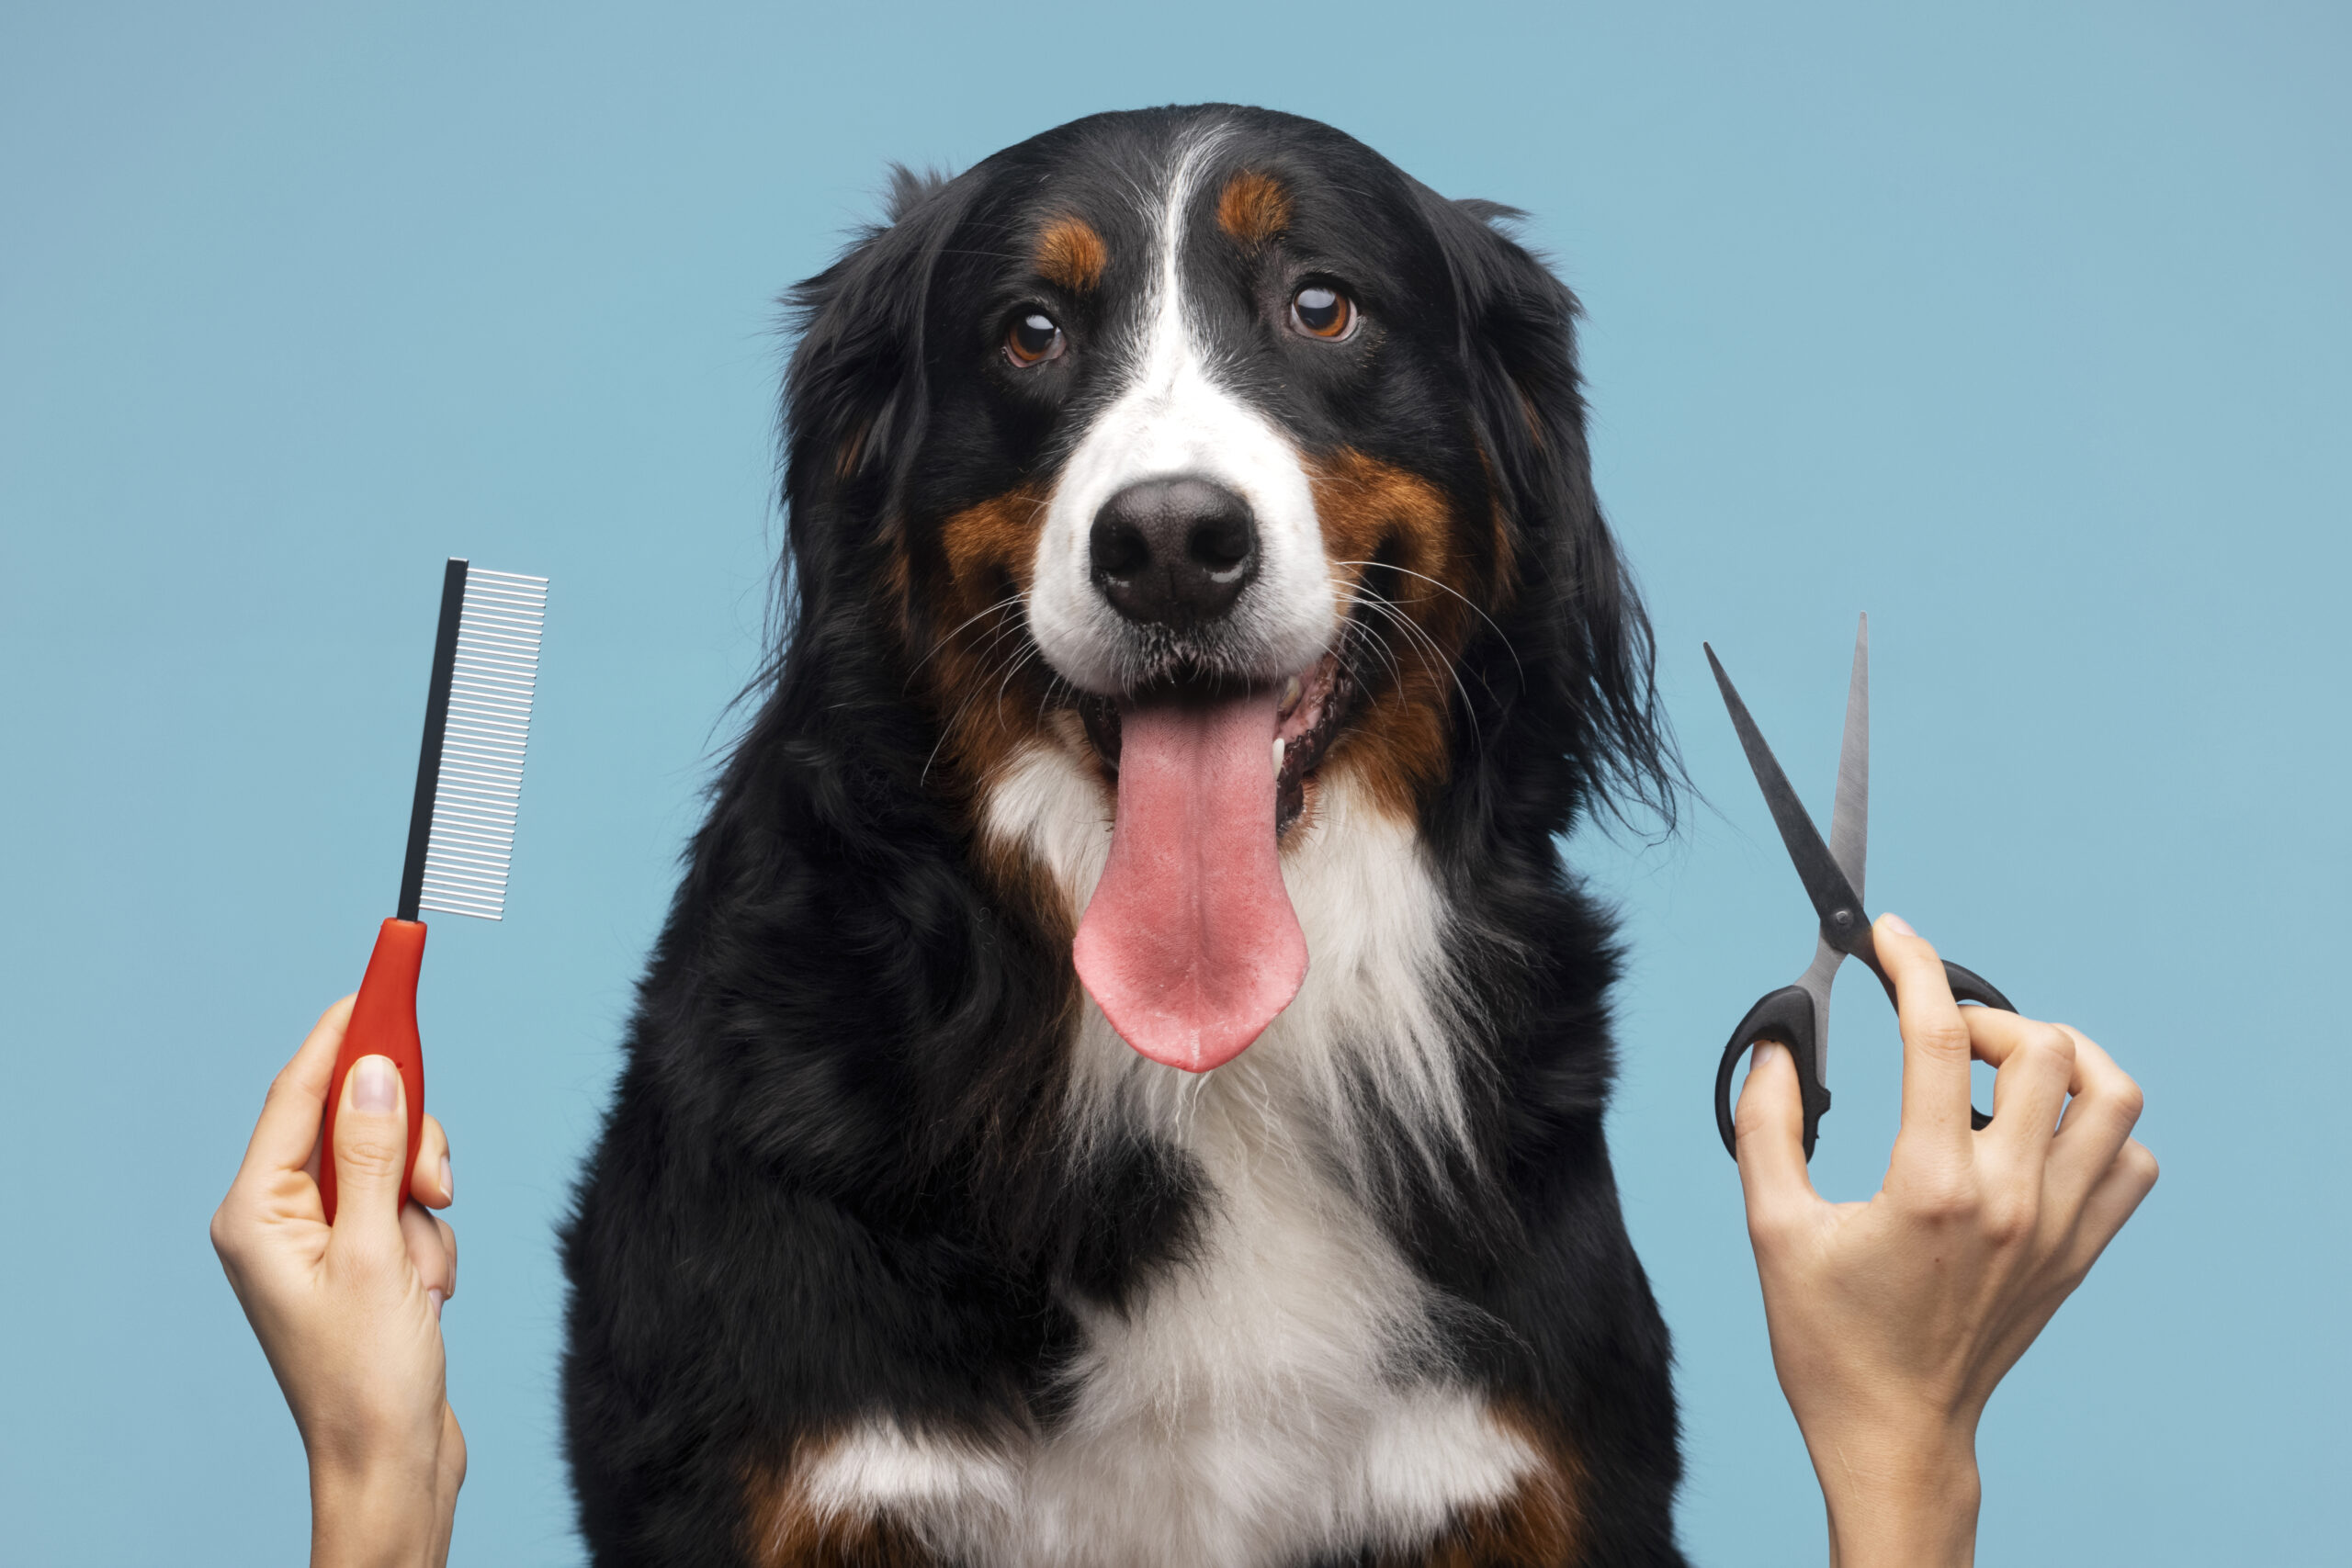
{"points": [[1372, 510], [960, 606], [1252, 210], [991, 544], [1071, 255]]}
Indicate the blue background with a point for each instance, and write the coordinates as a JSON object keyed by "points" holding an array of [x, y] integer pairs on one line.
{"points": [[2024, 329]]}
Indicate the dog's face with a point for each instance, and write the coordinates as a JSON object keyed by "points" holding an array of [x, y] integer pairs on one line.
{"points": [[1194, 443], [1260, 324]]}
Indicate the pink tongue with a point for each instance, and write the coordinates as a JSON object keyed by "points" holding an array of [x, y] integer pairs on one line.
{"points": [[1190, 945]]}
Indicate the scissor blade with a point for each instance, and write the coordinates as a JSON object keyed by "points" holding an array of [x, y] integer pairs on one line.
{"points": [[1825, 884], [1816, 983], [1849, 819]]}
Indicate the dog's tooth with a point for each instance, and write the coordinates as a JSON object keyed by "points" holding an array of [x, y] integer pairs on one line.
{"points": [[1278, 756], [1291, 694]]}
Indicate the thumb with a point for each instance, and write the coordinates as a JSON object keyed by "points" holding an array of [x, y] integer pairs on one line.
{"points": [[1769, 1124], [371, 1151]]}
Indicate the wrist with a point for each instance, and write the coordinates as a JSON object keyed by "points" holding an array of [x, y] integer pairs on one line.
{"points": [[1908, 1503], [386, 1516]]}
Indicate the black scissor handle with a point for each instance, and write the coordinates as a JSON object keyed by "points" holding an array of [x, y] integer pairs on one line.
{"points": [[1786, 1015]]}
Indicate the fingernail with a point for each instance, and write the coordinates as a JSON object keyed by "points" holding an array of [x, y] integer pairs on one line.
{"points": [[374, 1084], [1897, 924], [448, 1186], [435, 1297]]}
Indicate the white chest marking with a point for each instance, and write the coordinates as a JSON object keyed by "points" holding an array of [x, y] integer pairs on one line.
{"points": [[1261, 1401]]}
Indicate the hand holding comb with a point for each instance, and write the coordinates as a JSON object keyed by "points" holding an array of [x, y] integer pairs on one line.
{"points": [[461, 829]]}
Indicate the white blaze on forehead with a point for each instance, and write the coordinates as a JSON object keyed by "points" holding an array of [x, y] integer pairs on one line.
{"points": [[1173, 417]]}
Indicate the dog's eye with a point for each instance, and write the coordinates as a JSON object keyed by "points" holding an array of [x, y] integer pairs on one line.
{"points": [[1032, 340], [1320, 310]]}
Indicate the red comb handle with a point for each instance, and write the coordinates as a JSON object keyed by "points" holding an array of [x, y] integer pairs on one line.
{"points": [[383, 1023]]}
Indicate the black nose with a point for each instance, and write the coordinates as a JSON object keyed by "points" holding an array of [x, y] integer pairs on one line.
{"points": [[1173, 551]]}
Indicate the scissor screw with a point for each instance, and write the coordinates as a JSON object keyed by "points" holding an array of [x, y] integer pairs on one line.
{"points": [[1844, 919]]}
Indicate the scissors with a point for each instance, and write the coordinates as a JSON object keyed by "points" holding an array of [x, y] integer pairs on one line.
{"points": [[1798, 1016]]}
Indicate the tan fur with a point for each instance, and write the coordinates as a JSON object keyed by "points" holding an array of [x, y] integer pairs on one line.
{"points": [[1252, 210], [1398, 743], [1071, 255], [973, 634]]}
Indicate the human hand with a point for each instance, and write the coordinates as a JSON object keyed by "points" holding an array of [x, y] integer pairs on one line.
{"points": [[1892, 1321], [350, 1315]]}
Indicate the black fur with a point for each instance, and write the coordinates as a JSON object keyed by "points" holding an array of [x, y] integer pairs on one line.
{"points": [[829, 1182]]}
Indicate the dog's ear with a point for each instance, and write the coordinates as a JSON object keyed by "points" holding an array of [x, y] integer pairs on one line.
{"points": [[854, 396], [1577, 602]]}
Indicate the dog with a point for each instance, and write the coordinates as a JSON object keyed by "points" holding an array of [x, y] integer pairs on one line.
{"points": [[1121, 1082]]}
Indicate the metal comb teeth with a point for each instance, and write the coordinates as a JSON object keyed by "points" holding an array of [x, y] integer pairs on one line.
{"points": [[492, 660]]}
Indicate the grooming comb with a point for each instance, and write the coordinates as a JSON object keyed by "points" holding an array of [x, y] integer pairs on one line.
{"points": [[461, 829]]}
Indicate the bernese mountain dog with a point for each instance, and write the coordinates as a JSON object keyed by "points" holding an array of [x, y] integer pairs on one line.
{"points": [[1122, 1081]]}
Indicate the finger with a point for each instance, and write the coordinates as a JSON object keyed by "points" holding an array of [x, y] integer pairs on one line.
{"points": [[2106, 1108], [288, 1129], [2113, 1200], [1935, 1042], [370, 1154], [429, 1179], [432, 1250], [2033, 1072], [1768, 1134]]}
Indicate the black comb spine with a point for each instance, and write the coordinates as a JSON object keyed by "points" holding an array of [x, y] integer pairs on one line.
{"points": [[436, 726]]}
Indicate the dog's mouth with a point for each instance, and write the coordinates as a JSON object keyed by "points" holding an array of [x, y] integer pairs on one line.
{"points": [[1190, 945], [1311, 708]]}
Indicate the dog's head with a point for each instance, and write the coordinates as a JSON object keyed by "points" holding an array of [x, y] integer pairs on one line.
{"points": [[1208, 448]]}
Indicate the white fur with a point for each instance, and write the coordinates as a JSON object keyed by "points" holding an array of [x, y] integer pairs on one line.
{"points": [[1279, 1393], [1174, 418], [883, 1470]]}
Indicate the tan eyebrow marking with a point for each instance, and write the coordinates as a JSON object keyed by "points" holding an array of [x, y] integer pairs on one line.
{"points": [[1253, 208], [1070, 254]]}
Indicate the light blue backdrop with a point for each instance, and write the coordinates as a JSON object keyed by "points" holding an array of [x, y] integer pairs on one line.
{"points": [[2024, 330]]}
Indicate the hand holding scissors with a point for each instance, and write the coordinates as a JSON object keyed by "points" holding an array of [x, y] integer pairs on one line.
{"points": [[1892, 1320], [1798, 1015]]}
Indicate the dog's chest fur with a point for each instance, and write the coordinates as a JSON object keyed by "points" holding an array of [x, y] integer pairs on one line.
{"points": [[1284, 1390]]}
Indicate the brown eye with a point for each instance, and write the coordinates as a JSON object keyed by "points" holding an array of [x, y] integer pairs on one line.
{"points": [[1032, 340], [1322, 311]]}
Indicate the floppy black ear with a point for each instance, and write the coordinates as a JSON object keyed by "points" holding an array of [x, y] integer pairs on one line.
{"points": [[1578, 607], [853, 395]]}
